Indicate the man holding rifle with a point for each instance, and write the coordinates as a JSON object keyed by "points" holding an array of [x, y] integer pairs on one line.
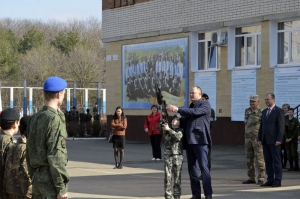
{"points": [[196, 121]]}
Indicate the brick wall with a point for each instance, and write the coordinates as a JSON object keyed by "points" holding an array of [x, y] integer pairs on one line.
{"points": [[157, 15], [111, 4]]}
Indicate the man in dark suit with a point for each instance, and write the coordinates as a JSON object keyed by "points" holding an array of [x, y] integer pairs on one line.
{"points": [[196, 121], [270, 136]]}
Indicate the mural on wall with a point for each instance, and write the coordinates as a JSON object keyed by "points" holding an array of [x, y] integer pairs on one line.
{"points": [[164, 63]]}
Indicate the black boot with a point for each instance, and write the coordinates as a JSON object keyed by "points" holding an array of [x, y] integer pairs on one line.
{"points": [[291, 166]]}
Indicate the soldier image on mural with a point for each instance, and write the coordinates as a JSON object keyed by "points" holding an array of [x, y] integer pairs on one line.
{"points": [[161, 62]]}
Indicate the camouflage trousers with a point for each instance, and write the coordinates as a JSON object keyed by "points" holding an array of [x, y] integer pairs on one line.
{"points": [[173, 167], [43, 186], [255, 159], [291, 149]]}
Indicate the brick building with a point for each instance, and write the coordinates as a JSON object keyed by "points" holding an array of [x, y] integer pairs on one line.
{"points": [[230, 48]]}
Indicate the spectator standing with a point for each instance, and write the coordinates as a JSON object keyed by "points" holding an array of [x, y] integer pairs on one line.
{"points": [[9, 127], [196, 120], [16, 178], [46, 147], [173, 157], [291, 134], [285, 108], [270, 136], [88, 122], [151, 127], [254, 153], [119, 125]]}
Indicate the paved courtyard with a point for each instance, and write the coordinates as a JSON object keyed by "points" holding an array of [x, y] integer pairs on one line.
{"points": [[92, 175]]}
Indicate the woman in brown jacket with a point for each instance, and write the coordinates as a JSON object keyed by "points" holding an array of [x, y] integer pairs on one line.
{"points": [[119, 125]]}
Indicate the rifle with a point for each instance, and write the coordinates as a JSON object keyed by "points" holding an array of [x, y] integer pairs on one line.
{"points": [[162, 103]]}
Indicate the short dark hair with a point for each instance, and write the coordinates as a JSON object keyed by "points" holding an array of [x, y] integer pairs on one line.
{"points": [[154, 105], [7, 124], [49, 95], [287, 105], [272, 95], [291, 109]]}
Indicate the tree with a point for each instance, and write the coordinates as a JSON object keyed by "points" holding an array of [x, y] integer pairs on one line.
{"points": [[8, 54], [31, 39], [66, 41]]}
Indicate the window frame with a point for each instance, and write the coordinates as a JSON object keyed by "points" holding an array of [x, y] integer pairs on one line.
{"points": [[248, 35], [205, 41], [289, 31]]}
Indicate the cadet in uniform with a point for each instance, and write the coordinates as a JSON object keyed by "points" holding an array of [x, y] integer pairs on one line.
{"points": [[291, 134], [16, 178], [173, 157], [254, 153], [46, 151], [9, 127]]}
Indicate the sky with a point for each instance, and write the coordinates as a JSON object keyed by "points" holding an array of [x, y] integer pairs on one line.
{"points": [[48, 10]]}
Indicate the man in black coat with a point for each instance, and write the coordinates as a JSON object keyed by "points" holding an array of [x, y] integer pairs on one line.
{"points": [[270, 136]]}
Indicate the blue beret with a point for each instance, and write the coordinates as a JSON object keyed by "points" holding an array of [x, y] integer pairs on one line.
{"points": [[10, 114], [54, 84]]}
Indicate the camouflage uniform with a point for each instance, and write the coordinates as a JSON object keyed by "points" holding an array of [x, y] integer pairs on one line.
{"points": [[16, 178], [46, 153], [173, 158], [291, 132], [254, 153], [5, 141]]}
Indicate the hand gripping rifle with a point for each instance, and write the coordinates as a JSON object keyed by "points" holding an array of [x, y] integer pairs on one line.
{"points": [[162, 103]]}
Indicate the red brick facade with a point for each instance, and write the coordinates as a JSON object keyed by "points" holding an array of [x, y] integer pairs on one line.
{"points": [[111, 4]]}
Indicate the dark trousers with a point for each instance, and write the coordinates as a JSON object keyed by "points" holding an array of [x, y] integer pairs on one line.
{"points": [[283, 154], [198, 153], [155, 143], [273, 162]]}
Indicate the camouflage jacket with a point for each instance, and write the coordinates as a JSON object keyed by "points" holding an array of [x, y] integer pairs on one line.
{"points": [[173, 144], [5, 141], [46, 146], [16, 178], [252, 122], [291, 129]]}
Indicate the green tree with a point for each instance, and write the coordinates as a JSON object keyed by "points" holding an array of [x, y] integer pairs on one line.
{"points": [[8, 53], [66, 41], [31, 39]]}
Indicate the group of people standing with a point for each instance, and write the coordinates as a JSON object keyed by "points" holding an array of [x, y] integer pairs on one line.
{"points": [[141, 77], [267, 133], [35, 166]]}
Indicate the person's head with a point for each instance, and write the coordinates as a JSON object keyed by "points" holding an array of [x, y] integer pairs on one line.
{"points": [[154, 109], [96, 104], [290, 112], [119, 112], [195, 93], [23, 125], [87, 110], [10, 120], [176, 120], [285, 108], [254, 101], [270, 99], [54, 90], [204, 96]]}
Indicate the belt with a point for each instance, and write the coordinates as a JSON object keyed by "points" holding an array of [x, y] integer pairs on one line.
{"points": [[42, 169]]}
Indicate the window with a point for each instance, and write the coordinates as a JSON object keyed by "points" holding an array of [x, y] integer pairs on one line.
{"points": [[248, 46], [207, 54], [288, 38]]}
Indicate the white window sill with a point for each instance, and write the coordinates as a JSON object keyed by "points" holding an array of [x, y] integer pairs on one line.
{"points": [[207, 70], [245, 67], [286, 65]]}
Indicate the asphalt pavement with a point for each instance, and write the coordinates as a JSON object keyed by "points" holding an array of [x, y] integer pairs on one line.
{"points": [[92, 175]]}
